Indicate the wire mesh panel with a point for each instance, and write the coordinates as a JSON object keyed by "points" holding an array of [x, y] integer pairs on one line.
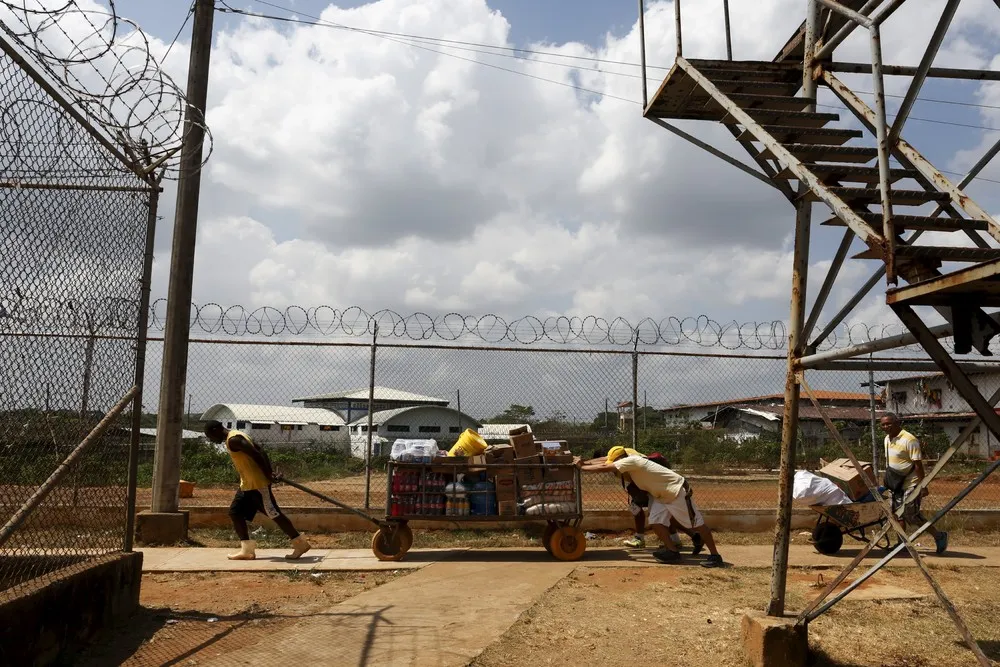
{"points": [[71, 258]]}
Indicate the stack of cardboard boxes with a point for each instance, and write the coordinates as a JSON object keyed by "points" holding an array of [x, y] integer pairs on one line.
{"points": [[848, 478]]}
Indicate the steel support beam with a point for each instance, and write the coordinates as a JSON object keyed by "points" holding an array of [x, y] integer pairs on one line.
{"points": [[642, 53], [898, 366], [783, 186], [729, 34], [827, 287], [796, 317], [877, 345], [882, 132], [925, 64], [887, 11], [951, 369], [906, 70], [725, 157], [828, 47], [860, 19], [898, 528], [677, 27]]}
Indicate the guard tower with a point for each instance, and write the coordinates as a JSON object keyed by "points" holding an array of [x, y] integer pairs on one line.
{"points": [[876, 186]]}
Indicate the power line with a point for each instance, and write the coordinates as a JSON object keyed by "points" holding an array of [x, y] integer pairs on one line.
{"points": [[319, 22], [187, 18]]}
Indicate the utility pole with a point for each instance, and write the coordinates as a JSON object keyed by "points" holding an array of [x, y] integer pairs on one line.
{"points": [[167, 462], [88, 365], [187, 420]]}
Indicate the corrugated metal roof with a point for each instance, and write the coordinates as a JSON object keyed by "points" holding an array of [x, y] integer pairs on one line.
{"points": [[382, 416], [820, 396], [273, 413], [185, 433], [808, 412], [380, 394], [500, 430]]}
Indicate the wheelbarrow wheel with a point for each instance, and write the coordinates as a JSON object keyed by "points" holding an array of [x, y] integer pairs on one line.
{"points": [[388, 545], [568, 543], [550, 529], [405, 537], [827, 538]]}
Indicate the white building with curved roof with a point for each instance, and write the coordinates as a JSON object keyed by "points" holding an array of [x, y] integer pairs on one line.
{"points": [[282, 424], [425, 422]]}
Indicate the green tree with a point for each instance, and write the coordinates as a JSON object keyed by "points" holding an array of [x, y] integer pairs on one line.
{"points": [[515, 414]]}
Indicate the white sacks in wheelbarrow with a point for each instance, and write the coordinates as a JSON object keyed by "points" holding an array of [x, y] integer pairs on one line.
{"points": [[810, 489]]}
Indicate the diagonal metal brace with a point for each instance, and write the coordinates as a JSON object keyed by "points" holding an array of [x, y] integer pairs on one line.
{"points": [[895, 525]]}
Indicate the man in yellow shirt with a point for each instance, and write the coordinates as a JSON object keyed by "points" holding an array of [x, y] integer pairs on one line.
{"points": [[905, 466], [670, 500], [255, 494]]}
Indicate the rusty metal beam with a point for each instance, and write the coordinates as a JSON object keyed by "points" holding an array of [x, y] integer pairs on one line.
{"points": [[642, 53], [905, 70], [963, 385], [725, 157], [828, 46], [793, 164], [898, 366], [677, 27], [958, 278], [729, 35], [827, 287], [782, 185], [858, 18], [925, 64], [898, 528], [881, 132], [887, 11], [877, 345], [910, 157]]}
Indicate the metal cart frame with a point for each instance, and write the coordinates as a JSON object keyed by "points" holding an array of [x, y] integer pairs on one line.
{"points": [[563, 537], [851, 519]]}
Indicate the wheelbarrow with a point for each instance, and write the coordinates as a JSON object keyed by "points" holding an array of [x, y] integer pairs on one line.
{"points": [[392, 539], [851, 519]]}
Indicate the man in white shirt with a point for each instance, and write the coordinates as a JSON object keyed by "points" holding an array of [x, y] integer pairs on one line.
{"points": [[670, 498], [905, 466]]}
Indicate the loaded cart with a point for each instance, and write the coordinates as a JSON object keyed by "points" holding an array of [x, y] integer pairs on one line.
{"points": [[461, 490], [851, 519]]}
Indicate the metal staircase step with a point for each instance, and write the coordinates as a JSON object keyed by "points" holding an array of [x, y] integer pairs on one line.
{"points": [[775, 88], [803, 135], [874, 196], [978, 284], [783, 102], [749, 74], [941, 253], [828, 153], [791, 118], [706, 64], [847, 173], [915, 222]]}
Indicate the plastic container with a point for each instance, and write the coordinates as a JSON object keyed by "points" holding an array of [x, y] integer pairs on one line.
{"points": [[469, 443], [414, 451], [483, 499]]}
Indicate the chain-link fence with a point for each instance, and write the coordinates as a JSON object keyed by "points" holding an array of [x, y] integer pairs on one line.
{"points": [[716, 415], [74, 220]]}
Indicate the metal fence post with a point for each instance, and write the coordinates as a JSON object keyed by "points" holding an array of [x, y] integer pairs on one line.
{"points": [[871, 402], [635, 395], [371, 407], [140, 370]]}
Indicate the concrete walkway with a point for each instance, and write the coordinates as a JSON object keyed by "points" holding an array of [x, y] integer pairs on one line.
{"points": [[195, 559], [444, 615]]}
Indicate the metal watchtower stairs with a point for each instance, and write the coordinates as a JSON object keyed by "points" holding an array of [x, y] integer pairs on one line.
{"points": [[873, 184]]}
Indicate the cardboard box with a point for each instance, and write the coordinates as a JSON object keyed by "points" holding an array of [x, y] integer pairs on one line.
{"points": [[501, 453], [478, 463], [507, 507], [842, 473], [518, 431], [529, 475], [506, 487], [524, 445], [564, 473]]}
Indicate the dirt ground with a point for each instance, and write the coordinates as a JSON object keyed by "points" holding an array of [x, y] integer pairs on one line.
{"points": [[601, 492], [683, 617], [191, 617]]}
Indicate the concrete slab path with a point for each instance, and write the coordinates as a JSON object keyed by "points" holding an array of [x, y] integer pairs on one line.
{"points": [[193, 559], [446, 614]]}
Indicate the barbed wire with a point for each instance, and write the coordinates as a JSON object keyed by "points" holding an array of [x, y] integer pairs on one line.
{"points": [[23, 315], [104, 65]]}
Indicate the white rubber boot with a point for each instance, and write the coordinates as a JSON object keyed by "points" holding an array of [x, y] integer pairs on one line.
{"points": [[246, 551], [299, 547]]}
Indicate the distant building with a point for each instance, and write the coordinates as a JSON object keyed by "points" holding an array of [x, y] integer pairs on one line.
{"points": [[764, 421], [421, 422], [932, 400], [282, 424], [353, 404], [708, 412], [495, 433]]}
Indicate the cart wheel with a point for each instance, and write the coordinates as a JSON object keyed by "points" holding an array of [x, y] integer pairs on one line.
{"points": [[388, 546], [550, 529], [405, 537], [827, 538], [567, 543]]}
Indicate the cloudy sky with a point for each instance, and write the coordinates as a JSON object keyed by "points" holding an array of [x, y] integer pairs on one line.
{"points": [[390, 173], [509, 171]]}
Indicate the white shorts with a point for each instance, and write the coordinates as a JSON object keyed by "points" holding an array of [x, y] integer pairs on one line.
{"points": [[660, 512]]}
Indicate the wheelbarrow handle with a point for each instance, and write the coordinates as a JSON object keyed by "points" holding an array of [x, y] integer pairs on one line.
{"points": [[337, 503]]}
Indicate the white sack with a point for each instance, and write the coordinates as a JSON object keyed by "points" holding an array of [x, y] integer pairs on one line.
{"points": [[810, 489]]}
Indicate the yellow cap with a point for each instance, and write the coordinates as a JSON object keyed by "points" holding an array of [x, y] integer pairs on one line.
{"points": [[616, 453]]}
